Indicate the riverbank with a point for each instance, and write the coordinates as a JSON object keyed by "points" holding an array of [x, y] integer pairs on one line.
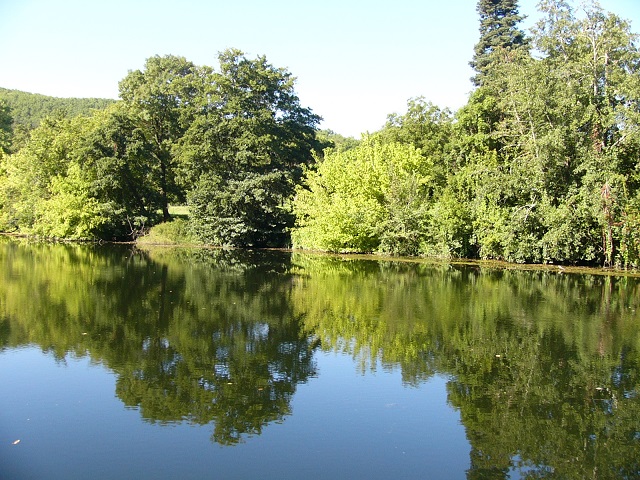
{"points": [[173, 235]]}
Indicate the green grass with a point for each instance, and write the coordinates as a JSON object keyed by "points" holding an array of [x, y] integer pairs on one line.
{"points": [[179, 211], [175, 232]]}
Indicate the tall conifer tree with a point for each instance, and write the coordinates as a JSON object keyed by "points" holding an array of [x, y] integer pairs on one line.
{"points": [[498, 30]]}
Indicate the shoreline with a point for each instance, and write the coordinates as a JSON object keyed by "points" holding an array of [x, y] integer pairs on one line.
{"points": [[491, 264]]}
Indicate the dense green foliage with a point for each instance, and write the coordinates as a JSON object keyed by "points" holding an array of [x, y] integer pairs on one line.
{"points": [[232, 143], [6, 127], [29, 109], [357, 198], [161, 102], [541, 165], [245, 154]]}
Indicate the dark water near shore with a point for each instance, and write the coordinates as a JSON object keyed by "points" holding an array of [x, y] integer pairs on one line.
{"points": [[174, 363]]}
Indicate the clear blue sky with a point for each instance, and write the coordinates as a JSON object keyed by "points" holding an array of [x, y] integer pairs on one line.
{"points": [[355, 61]]}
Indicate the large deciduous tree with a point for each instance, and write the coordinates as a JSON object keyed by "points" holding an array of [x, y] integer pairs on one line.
{"points": [[162, 100], [245, 154], [119, 159]]}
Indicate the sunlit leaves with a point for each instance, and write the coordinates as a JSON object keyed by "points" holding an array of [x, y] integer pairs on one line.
{"points": [[29, 175], [70, 212], [365, 199]]}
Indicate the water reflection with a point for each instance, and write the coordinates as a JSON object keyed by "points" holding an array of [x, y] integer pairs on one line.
{"points": [[205, 337], [543, 367]]}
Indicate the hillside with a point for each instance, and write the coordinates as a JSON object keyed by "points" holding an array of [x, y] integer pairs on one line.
{"points": [[29, 109]]}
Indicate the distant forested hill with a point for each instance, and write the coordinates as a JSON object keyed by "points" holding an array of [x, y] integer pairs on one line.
{"points": [[29, 109]]}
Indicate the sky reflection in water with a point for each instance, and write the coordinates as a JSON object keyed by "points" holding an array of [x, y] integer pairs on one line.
{"points": [[193, 364]]}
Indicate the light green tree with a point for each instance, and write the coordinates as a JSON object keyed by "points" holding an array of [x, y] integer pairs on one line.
{"points": [[70, 211], [369, 198], [25, 182]]}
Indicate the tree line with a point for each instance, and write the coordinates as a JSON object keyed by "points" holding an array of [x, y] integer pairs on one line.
{"points": [[21, 112], [540, 165], [29, 109], [229, 142]]}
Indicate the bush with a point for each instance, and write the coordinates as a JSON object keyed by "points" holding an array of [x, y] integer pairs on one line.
{"points": [[373, 197], [251, 211], [174, 232]]}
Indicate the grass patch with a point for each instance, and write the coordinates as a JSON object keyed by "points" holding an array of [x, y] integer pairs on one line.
{"points": [[179, 211], [174, 232]]}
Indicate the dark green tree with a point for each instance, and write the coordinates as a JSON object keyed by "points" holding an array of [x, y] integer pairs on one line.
{"points": [[499, 35], [162, 99], [245, 155], [331, 139], [116, 157]]}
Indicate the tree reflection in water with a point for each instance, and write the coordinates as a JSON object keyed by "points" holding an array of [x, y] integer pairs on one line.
{"points": [[542, 367], [205, 336]]}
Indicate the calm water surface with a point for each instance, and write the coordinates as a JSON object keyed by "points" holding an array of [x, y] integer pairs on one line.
{"points": [[174, 363]]}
